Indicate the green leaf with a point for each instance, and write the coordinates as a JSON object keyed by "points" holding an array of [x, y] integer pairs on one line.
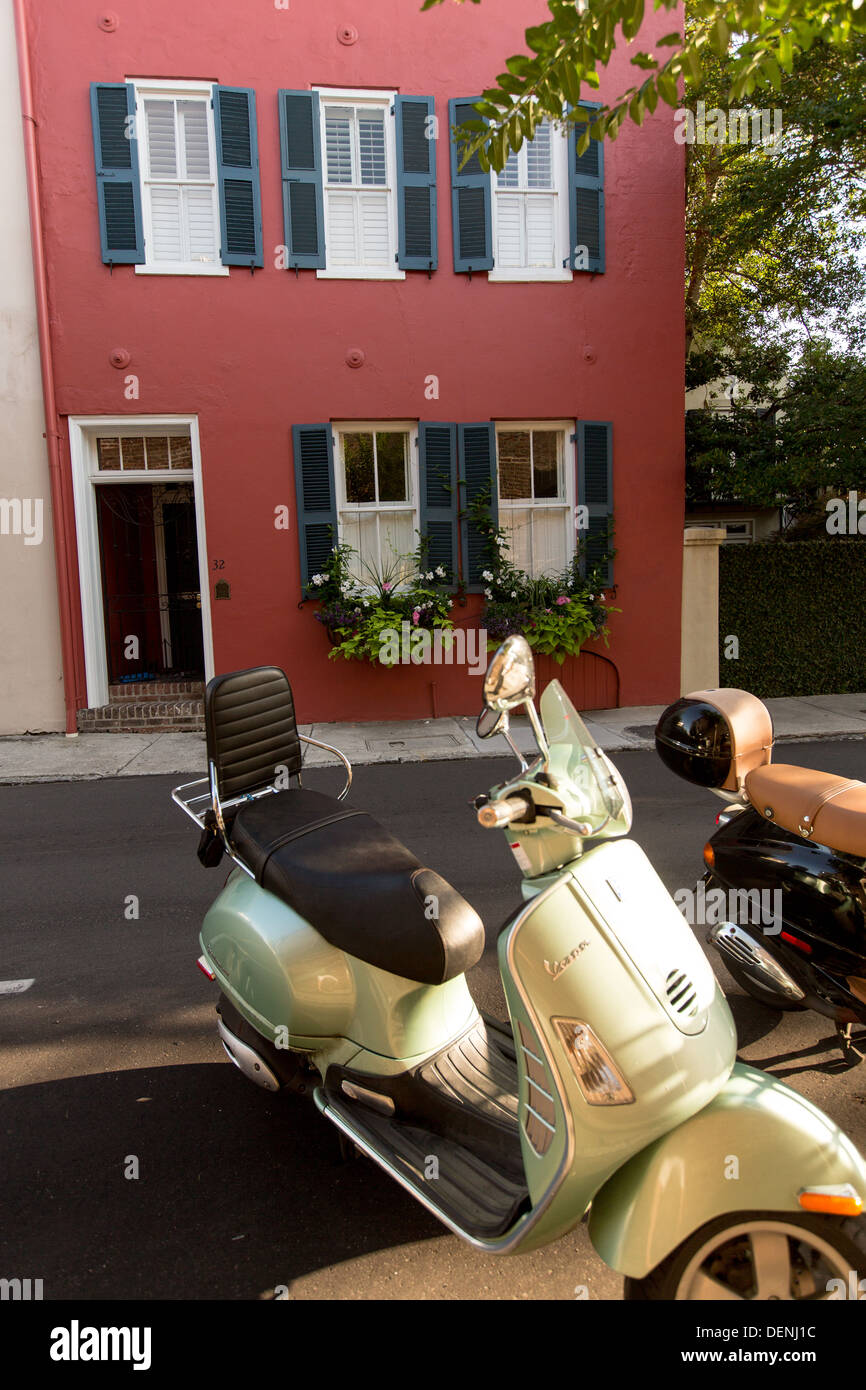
{"points": [[669, 41], [667, 88], [692, 61], [540, 38], [719, 37], [786, 51], [510, 84]]}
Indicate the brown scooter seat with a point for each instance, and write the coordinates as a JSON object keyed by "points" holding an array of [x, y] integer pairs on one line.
{"points": [[817, 805]]}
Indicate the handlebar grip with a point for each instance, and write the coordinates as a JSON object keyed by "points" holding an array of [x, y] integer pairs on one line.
{"points": [[497, 814]]}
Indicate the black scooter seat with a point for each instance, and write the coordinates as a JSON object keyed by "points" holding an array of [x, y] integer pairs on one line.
{"points": [[361, 889]]}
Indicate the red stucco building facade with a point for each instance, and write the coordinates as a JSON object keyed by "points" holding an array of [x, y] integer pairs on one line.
{"points": [[349, 320]]}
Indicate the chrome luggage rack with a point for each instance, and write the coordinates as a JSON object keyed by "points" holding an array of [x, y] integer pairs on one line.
{"points": [[198, 797]]}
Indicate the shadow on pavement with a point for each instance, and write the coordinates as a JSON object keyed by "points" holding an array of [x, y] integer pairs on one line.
{"points": [[239, 1191]]}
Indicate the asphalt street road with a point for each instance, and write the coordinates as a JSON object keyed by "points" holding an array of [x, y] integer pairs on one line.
{"points": [[112, 1054]]}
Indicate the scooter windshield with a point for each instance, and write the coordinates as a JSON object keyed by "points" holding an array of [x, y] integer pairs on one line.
{"points": [[575, 759]]}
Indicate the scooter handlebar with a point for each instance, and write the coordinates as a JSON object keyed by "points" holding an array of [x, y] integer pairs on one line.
{"points": [[497, 814]]}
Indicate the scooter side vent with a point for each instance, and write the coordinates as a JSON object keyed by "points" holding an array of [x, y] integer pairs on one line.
{"points": [[539, 1115], [681, 993]]}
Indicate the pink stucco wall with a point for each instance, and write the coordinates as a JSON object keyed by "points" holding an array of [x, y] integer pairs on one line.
{"points": [[252, 355]]}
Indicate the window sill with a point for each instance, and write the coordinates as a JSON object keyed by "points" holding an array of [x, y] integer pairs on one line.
{"points": [[360, 274], [171, 269], [529, 277]]}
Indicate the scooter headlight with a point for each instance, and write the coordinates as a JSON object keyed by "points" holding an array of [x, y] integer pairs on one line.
{"points": [[598, 1075]]}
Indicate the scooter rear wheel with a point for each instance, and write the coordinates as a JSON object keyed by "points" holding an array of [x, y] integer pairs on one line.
{"points": [[763, 996], [762, 1256]]}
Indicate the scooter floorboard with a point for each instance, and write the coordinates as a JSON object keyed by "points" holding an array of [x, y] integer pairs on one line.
{"points": [[469, 1091]]}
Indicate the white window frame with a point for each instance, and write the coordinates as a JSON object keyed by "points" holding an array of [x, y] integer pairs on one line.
{"points": [[566, 429], [747, 521], [412, 503], [161, 87], [349, 96], [83, 432], [558, 273]]}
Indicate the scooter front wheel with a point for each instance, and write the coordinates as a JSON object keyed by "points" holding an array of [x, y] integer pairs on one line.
{"points": [[762, 1256]]}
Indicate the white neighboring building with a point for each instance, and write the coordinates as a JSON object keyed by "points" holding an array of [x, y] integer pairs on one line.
{"points": [[31, 676]]}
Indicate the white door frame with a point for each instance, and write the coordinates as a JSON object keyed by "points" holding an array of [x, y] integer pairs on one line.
{"points": [[85, 476]]}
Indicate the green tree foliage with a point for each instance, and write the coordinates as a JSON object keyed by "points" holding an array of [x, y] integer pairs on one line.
{"points": [[774, 231], [793, 442], [566, 53]]}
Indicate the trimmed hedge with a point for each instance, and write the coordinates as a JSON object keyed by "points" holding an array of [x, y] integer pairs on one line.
{"points": [[799, 611]]}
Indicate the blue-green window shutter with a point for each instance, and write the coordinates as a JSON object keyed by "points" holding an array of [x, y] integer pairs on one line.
{"points": [[303, 204], [238, 176], [470, 198], [477, 462], [314, 489], [586, 198], [416, 183], [595, 492], [118, 185], [437, 478]]}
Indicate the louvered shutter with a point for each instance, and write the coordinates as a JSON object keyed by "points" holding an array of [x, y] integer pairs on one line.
{"points": [[416, 184], [437, 475], [300, 148], [470, 199], [118, 186], [595, 492], [238, 175], [586, 198], [477, 456], [314, 488]]}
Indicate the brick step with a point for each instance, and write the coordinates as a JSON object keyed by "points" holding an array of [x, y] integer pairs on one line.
{"points": [[146, 691], [124, 716]]}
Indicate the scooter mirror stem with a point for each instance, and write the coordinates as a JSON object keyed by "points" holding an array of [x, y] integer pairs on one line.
{"points": [[537, 730]]}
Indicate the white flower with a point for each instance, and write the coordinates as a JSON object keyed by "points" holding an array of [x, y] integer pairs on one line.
{"points": [[318, 579], [488, 593], [514, 593], [485, 574], [440, 570], [429, 575]]}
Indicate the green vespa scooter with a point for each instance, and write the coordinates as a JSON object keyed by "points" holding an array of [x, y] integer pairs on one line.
{"points": [[613, 1088]]}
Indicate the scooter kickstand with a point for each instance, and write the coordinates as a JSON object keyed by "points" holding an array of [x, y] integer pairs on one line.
{"points": [[851, 1052]]}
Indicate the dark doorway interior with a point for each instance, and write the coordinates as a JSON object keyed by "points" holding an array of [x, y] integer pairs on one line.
{"points": [[150, 582]]}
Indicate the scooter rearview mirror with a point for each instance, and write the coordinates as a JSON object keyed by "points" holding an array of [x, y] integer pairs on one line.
{"points": [[510, 678], [490, 722]]}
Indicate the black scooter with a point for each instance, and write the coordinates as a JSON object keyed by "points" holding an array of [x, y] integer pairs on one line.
{"points": [[784, 891]]}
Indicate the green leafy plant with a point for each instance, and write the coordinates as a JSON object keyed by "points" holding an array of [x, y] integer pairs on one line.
{"points": [[556, 614], [359, 616]]}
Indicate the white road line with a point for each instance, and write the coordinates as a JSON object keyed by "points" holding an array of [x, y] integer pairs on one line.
{"points": [[15, 986]]}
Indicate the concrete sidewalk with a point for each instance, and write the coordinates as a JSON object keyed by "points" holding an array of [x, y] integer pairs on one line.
{"points": [[55, 758]]}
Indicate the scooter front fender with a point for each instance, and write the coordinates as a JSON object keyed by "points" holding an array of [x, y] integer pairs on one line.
{"points": [[753, 1148]]}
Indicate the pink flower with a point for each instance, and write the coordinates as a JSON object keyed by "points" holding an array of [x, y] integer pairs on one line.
{"points": [[561, 600], [416, 614], [386, 588]]}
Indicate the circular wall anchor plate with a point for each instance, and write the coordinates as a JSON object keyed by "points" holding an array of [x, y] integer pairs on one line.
{"points": [[108, 21], [347, 34], [119, 357], [355, 358]]}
